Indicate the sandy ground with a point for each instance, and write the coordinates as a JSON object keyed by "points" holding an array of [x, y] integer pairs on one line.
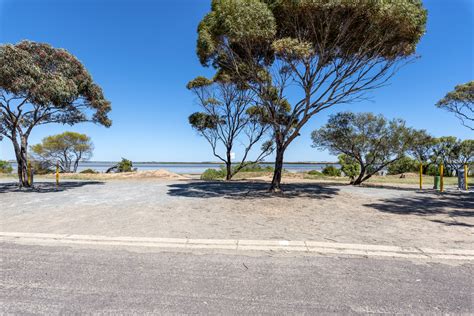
{"points": [[241, 210]]}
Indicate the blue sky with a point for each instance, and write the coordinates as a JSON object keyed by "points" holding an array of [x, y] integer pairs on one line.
{"points": [[142, 53]]}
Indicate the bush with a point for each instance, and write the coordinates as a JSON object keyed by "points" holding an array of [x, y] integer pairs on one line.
{"points": [[403, 165], [89, 171], [315, 173], [125, 166], [213, 174], [349, 166], [5, 167], [331, 171], [42, 167], [256, 168]]}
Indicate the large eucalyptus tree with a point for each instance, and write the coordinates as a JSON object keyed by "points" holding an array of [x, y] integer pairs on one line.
{"points": [[40, 84], [303, 56]]}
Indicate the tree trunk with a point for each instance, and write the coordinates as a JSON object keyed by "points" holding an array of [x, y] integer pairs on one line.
{"points": [[228, 166], [22, 161], [359, 179], [276, 181]]}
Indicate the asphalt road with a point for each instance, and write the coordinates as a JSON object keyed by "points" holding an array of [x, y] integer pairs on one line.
{"points": [[65, 280]]}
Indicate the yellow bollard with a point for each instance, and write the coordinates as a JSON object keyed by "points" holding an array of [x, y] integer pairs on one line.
{"points": [[421, 176], [57, 174], [441, 174], [466, 187]]}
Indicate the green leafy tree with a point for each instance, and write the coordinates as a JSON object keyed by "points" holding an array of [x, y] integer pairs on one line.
{"points": [[403, 165], [371, 140], [40, 84], [5, 167], [422, 149], [326, 52], [453, 153], [228, 116], [349, 166], [66, 149], [461, 103]]}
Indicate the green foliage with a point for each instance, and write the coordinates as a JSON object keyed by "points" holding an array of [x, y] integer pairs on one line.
{"points": [[41, 167], [432, 170], [331, 171], [213, 174], [453, 153], [202, 121], [52, 79], [89, 171], [393, 26], [255, 167], [315, 173], [68, 149], [403, 165], [5, 167], [125, 165], [370, 139], [349, 166], [461, 103]]}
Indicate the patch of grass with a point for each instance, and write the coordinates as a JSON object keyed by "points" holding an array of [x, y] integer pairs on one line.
{"points": [[213, 174]]}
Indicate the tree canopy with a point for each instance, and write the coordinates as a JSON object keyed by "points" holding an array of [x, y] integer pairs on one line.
{"points": [[371, 140], [40, 84], [460, 101], [67, 149], [331, 51]]}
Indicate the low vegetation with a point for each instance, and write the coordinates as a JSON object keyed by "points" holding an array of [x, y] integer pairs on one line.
{"points": [[5, 167]]}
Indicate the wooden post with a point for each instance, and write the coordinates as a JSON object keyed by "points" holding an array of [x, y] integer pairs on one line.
{"points": [[57, 174], [441, 174], [466, 187], [421, 176]]}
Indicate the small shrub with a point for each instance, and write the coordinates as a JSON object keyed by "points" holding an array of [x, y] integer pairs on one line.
{"points": [[89, 171], [5, 167], [315, 173], [256, 168], [213, 174], [42, 167], [331, 171], [125, 166]]}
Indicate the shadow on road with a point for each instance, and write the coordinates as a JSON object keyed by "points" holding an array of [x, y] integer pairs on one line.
{"points": [[46, 187], [454, 204], [249, 190]]}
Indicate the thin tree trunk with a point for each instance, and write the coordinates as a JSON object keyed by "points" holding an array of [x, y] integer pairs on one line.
{"points": [[276, 181], [228, 165], [359, 179]]}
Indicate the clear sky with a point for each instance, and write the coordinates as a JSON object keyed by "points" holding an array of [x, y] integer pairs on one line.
{"points": [[142, 53]]}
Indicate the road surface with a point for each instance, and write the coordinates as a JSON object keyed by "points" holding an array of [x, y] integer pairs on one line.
{"points": [[64, 280]]}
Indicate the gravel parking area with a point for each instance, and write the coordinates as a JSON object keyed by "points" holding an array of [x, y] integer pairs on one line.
{"points": [[242, 210]]}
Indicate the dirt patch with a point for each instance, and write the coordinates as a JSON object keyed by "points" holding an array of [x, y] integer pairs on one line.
{"points": [[242, 210]]}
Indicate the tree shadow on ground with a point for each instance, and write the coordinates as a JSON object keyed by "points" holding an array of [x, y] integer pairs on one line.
{"points": [[45, 187], [456, 205], [249, 190]]}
